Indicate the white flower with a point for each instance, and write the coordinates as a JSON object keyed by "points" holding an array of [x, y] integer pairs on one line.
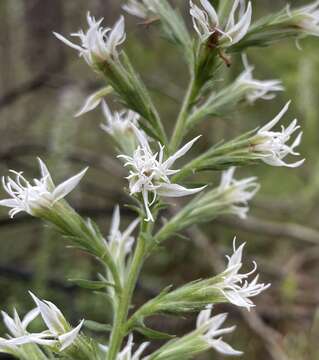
{"points": [[306, 17], [118, 123], [94, 100], [257, 89], [206, 22], [98, 44], [272, 144], [235, 286], [237, 193], [56, 323], [149, 172], [40, 195], [15, 325], [120, 243], [19, 335], [139, 8], [210, 327]]}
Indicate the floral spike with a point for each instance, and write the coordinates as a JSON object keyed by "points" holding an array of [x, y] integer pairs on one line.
{"points": [[235, 286], [206, 22], [149, 173], [33, 198], [98, 44], [272, 144], [210, 328]]}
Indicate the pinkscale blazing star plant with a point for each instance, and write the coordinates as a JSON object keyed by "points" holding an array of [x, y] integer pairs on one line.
{"points": [[149, 154]]}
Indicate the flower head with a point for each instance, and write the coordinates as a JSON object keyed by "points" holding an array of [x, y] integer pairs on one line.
{"points": [[120, 126], [149, 172], [98, 44], [19, 334], [120, 243], [56, 322], [210, 327], [15, 325], [257, 89], [235, 286], [139, 8], [37, 196], [306, 18], [206, 22], [272, 145], [237, 193]]}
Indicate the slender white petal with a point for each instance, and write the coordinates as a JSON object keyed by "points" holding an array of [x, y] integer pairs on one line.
{"points": [[94, 100], [51, 315], [67, 186], [224, 348], [175, 190], [68, 338], [181, 152]]}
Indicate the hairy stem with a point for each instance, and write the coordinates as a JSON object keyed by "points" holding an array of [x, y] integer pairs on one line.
{"points": [[119, 329]]}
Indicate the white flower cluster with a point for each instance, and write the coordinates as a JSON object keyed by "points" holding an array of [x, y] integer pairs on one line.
{"points": [[235, 286], [149, 172], [206, 22], [58, 334], [257, 89], [272, 145], [98, 44], [237, 193], [39, 196], [209, 327]]}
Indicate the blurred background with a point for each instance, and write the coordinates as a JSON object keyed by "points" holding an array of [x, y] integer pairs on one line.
{"points": [[43, 83]]}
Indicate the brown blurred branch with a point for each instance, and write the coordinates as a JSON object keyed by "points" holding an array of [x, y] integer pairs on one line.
{"points": [[270, 228]]}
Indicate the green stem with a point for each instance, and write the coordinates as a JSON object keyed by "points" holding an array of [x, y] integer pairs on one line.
{"points": [[119, 329], [180, 127]]}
